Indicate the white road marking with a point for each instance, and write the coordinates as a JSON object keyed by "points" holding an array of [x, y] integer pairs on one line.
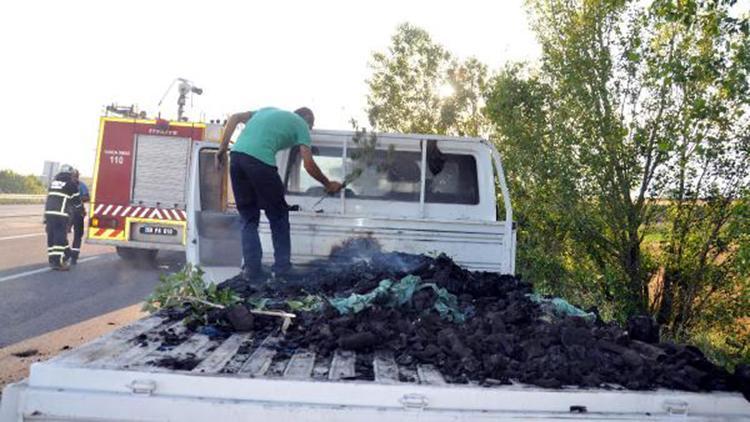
{"points": [[22, 236], [43, 270]]}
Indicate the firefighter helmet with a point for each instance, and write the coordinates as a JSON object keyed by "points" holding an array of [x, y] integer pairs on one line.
{"points": [[66, 168]]}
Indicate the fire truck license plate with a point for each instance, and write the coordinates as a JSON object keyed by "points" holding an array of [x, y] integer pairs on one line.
{"points": [[158, 230]]}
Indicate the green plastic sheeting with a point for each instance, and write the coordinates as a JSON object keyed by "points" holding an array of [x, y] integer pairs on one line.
{"points": [[560, 308], [395, 294]]}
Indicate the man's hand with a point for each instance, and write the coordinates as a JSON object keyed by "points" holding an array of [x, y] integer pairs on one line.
{"points": [[333, 187], [221, 159]]}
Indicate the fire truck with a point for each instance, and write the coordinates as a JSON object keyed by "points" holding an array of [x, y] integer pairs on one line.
{"points": [[138, 197]]}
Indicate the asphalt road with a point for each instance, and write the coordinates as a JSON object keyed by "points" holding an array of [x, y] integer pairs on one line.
{"points": [[34, 300]]}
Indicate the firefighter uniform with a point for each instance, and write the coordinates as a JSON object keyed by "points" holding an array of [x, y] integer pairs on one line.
{"points": [[77, 220], [63, 198]]}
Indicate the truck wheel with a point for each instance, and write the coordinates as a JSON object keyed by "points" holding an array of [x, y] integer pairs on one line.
{"points": [[135, 254]]}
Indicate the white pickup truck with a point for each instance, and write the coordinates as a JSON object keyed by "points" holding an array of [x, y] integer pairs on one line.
{"points": [[437, 195]]}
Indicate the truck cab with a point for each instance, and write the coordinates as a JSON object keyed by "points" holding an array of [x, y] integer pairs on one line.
{"points": [[412, 193]]}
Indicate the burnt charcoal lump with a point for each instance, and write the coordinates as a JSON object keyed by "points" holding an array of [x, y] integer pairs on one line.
{"points": [[240, 318], [643, 328]]}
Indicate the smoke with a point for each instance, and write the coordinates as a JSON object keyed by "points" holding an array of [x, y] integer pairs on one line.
{"points": [[355, 250]]}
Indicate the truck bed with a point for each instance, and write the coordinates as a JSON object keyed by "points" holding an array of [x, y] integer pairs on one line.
{"points": [[117, 377]]}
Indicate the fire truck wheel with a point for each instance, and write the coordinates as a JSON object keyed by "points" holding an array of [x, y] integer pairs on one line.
{"points": [[135, 254]]}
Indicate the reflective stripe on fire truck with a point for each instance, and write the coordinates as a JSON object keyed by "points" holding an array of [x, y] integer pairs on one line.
{"points": [[108, 234], [166, 214]]}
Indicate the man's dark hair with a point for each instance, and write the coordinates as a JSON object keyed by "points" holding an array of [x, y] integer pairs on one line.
{"points": [[306, 114]]}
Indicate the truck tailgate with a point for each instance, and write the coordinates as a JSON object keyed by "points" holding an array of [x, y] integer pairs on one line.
{"points": [[476, 245], [118, 377]]}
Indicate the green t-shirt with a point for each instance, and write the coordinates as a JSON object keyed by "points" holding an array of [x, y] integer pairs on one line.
{"points": [[270, 130]]}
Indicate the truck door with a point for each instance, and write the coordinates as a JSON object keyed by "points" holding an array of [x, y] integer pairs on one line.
{"points": [[216, 228]]}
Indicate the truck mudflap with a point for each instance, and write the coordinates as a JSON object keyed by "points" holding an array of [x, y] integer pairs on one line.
{"points": [[126, 375]]}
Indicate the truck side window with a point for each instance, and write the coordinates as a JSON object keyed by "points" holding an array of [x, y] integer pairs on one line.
{"points": [[456, 183], [389, 175]]}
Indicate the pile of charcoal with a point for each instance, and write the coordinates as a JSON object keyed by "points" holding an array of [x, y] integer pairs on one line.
{"points": [[505, 336]]}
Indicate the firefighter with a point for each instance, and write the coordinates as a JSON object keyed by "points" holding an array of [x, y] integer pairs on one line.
{"points": [[256, 182], [62, 198], [77, 218]]}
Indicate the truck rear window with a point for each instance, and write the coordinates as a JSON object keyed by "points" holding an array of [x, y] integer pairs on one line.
{"points": [[390, 175]]}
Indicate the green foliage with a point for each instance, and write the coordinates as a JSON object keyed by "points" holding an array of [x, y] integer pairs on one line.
{"points": [[186, 288], [305, 303], [12, 182], [417, 87], [258, 303], [634, 123], [365, 155]]}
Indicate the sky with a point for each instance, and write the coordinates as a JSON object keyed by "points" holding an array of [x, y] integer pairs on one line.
{"points": [[63, 61]]}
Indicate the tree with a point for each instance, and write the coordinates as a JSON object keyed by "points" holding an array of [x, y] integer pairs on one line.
{"points": [[634, 124], [408, 89], [12, 182], [461, 111]]}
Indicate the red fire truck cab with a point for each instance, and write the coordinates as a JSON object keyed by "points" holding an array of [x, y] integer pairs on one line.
{"points": [[140, 184]]}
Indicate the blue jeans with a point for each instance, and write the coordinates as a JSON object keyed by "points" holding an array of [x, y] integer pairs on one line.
{"points": [[257, 186]]}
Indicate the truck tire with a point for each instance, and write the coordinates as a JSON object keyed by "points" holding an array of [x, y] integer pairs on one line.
{"points": [[136, 254]]}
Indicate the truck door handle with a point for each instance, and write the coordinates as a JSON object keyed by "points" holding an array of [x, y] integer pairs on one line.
{"points": [[414, 401], [676, 407], [143, 387]]}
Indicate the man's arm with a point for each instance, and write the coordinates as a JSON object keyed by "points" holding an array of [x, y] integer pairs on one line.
{"points": [[85, 197], [232, 123], [313, 170]]}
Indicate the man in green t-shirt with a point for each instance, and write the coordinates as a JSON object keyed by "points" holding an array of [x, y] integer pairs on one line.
{"points": [[256, 182]]}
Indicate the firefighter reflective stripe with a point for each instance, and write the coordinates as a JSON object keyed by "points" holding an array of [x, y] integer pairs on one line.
{"points": [[64, 195], [56, 250], [57, 213]]}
